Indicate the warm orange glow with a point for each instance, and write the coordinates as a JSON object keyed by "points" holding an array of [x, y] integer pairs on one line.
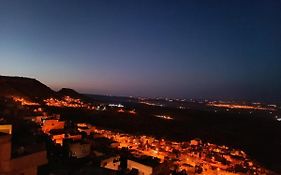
{"points": [[238, 106], [48, 125], [151, 104], [121, 110], [24, 102], [68, 102], [133, 112], [166, 117], [187, 152]]}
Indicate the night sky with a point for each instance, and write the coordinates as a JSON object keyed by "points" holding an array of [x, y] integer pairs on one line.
{"points": [[227, 49]]}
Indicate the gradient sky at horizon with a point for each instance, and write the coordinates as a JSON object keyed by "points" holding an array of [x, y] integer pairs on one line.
{"points": [[198, 49]]}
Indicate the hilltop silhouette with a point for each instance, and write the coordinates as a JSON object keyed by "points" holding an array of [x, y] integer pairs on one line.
{"points": [[31, 88]]}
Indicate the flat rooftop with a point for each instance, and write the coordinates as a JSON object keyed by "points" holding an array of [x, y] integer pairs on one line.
{"points": [[146, 160]]}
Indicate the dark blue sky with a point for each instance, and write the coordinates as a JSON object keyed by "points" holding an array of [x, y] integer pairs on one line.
{"points": [[177, 48]]}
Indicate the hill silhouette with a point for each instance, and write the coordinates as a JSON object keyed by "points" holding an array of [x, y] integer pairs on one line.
{"points": [[69, 92], [31, 88]]}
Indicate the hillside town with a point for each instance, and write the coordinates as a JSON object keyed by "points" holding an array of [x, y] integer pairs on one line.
{"points": [[113, 152]]}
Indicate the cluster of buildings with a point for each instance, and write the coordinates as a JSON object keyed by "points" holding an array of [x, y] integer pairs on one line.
{"points": [[68, 101], [192, 157], [83, 140]]}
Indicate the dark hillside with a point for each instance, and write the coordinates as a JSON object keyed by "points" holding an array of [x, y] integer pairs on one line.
{"points": [[69, 92], [25, 87]]}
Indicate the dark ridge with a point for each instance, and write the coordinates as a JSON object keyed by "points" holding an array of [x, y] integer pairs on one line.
{"points": [[24, 87], [69, 92]]}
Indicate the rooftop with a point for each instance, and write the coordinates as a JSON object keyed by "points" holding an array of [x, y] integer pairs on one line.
{"points": [[146, 160]]}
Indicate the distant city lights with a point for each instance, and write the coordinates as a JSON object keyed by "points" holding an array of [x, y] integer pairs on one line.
{"points": [[255, 106], [166, 117]]}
